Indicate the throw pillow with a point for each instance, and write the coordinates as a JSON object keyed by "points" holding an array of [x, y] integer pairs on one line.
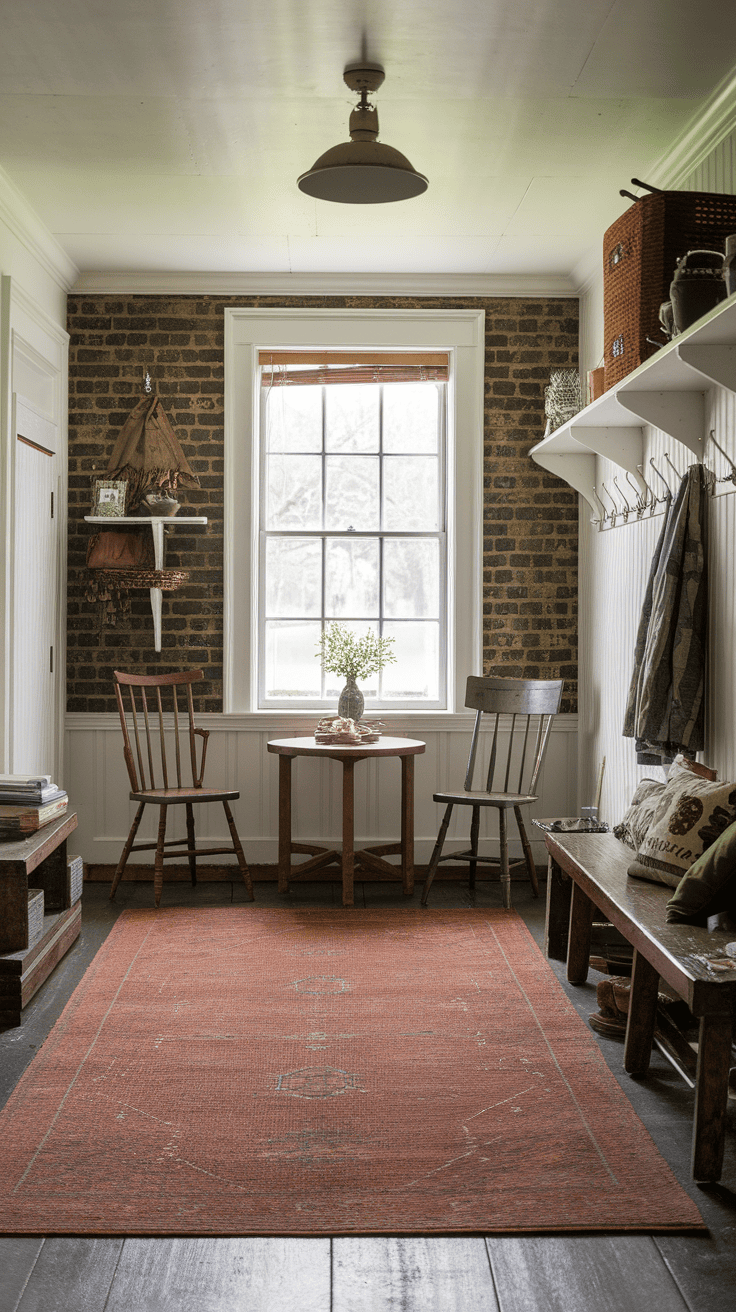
{"points": [[691, 814], [709, 885], [634, 827]]}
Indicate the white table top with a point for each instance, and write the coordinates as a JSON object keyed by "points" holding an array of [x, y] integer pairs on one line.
{"points": [[384, 747]]}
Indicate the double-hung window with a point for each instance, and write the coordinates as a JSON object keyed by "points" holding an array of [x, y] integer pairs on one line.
{"points": [[353, 520], [353, 492]]}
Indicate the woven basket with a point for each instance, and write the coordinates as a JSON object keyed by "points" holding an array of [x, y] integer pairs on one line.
{"points": [[166, 579], [640, 251]]}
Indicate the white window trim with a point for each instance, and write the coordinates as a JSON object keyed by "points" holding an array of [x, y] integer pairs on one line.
{"points": [[461, 333]]}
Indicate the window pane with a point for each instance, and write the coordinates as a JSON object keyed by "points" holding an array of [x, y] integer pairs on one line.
{"points": [[411, 493], [351, 417], [410, 417], [416, 672], [293, 492], [411, 580], [292, 660], [351, 577], [293, 418], [351, 492], [294, 577]]}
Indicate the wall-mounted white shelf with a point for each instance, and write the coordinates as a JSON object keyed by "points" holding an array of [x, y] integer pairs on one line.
{"points": [[157, 525], [667, 391]]}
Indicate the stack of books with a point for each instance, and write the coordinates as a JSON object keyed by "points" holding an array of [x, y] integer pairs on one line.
{"points": [[27, 802]]}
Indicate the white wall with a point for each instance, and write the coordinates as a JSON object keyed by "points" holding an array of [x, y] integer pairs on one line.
{"points": [[614, 566], [98, 786], [35, 275]]}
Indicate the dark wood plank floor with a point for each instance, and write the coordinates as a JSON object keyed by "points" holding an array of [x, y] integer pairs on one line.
{"points": [[577, 1273]]}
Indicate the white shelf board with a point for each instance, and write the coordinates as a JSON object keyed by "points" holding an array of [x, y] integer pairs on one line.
{"points": [[168, 520], [666, 391]]}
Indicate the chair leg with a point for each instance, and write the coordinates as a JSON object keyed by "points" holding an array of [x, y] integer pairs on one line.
{"points": [[122, 863], [474, 831], [158, 870], [190, 843], [436, 854], [245, 872], [528, 857], [505, 875]]}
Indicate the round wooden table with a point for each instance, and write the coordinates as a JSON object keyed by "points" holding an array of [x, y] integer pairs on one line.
{"points": [[370, 859]]}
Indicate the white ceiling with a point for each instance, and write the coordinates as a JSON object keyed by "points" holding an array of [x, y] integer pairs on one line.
{"points": [[161, 135]]}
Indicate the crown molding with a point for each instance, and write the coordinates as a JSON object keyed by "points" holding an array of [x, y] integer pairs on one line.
{"points": [[31, 231], [701, 135], [325, 284], [587, 271]]}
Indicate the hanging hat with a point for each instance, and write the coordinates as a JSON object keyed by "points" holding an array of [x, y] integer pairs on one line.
{"points": [[148, 454]]}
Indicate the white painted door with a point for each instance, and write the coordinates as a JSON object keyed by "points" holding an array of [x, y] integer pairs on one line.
{"points": [[35, 604]]}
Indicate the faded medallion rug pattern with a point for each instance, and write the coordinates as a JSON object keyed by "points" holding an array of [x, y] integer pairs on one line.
{"points": [[234, 1071]]}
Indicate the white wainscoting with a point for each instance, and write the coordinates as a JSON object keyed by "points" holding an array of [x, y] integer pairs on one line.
{"points": [[98, 786]]}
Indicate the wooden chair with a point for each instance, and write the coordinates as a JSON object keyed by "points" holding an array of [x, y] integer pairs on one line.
{"points": [[151, 744], [532, 705]]}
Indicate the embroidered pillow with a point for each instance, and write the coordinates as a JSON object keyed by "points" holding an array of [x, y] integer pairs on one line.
{"points": [[634, 827], [709, 885], [692, 812]]}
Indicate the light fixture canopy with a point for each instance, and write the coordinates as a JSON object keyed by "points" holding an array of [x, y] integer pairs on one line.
{"points": [[363, 171]]}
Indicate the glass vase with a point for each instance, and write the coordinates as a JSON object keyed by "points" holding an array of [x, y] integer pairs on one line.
{"points": [[352, 703]]}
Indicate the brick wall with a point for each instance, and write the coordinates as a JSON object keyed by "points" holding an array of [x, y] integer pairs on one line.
{"points": [[530, 517]]}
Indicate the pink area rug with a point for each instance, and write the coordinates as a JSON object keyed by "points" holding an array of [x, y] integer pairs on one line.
{"points": [[235, 1071]]}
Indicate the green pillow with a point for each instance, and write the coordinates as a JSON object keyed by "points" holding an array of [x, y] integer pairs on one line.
{"points": [[709, 886]]}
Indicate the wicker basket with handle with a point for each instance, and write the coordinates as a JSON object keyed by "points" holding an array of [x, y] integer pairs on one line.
{"points": [[640, 251]]}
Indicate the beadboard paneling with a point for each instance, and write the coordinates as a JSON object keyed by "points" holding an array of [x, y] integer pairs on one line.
{"points": [[98, 788]]}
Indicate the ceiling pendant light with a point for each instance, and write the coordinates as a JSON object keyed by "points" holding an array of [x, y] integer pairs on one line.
{"points": [[362, 171]]}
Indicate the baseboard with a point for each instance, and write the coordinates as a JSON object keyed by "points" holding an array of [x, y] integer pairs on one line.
{"points": [[261, 874]]}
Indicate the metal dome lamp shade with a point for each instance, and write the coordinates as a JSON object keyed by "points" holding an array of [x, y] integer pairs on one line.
{"points": [[362, 171]]}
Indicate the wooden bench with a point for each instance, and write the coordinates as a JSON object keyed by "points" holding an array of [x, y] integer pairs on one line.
{"points": [[588, 871]]}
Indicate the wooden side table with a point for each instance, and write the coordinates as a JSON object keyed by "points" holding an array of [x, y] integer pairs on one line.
{"points": [[39, 861], [370, 859]]}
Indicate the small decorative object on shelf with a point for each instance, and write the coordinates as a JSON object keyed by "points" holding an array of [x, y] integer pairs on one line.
{"points": [[109, 497], [160, 503], [562, 398], [697, 287], [336, 729], [341, 652]]}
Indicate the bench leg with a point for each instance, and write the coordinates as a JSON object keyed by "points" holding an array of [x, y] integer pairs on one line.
{"points": [[711, 1097], [642, 1017], [581, 928], [556, 929]]}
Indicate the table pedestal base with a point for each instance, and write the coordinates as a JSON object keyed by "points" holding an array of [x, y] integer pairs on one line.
{"points": [[368, 859]]}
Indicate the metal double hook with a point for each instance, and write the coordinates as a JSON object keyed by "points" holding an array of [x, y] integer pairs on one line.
{"points": [[730, 477]]}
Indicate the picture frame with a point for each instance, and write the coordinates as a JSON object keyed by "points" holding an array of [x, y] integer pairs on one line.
{"points": [[109, 497]]}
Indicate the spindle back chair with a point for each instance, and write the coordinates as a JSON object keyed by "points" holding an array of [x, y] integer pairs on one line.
{"points": [[150, 713], [515, 759]]}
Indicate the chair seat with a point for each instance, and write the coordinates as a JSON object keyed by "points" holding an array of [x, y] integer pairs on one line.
{"points": [[481, 798], [170, 796]]}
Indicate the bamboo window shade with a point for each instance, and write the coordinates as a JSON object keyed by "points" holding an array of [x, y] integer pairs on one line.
{"points": [[305, 368]]}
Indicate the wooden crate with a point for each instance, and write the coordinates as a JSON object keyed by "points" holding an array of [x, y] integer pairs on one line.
{"points": [[640, 252]]}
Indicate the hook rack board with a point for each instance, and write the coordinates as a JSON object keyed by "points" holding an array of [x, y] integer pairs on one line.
{"points": [[667, 392], [157, 523]]}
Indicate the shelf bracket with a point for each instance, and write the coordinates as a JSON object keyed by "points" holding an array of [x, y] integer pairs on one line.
{"points": [[578, 470], [623, 446], [681, 415], [715, 363]]}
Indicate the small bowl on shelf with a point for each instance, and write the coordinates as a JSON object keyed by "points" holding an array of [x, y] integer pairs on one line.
{"points": [[161, 505]]}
